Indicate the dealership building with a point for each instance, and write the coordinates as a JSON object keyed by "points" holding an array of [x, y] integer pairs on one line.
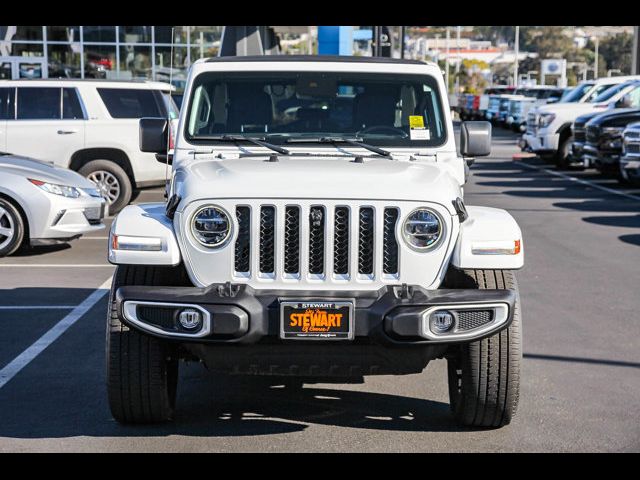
{"points": [[111, 52]]}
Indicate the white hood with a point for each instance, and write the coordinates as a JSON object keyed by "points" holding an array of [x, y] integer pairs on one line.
{"points": [[567, 108], [317, 177]]}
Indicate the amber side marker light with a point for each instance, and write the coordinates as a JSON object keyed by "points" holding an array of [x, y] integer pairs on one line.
{"points": [[136, 244], [496, 248]]}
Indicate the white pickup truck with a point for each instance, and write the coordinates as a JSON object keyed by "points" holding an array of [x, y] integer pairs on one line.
{"points": [[315, 229], [549, 127]]}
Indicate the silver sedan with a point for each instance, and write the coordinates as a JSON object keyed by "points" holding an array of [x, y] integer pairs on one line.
{"points": [[41, 204]]}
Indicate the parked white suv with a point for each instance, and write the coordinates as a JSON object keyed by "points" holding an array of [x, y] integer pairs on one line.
{"points": [[89, 126], [315, 228], [549, 127]]}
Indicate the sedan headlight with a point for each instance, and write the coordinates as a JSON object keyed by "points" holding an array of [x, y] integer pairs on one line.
{"points": [[546, 119], [211, 226], [422, 229], [63, 190]]}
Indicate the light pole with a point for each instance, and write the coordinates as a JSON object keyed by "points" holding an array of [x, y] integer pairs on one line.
{"points": [[595, 68], [458, 58], [517, 47], [446, 59], [610, 71]]}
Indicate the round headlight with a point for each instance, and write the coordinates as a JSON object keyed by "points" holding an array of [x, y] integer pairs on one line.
{"points": [[422, 229], [211, 226]]}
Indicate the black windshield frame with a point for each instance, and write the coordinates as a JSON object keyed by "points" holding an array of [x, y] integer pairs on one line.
{"points": [[438, 139]]}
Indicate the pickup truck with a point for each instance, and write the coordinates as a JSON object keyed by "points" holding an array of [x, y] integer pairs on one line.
{"points": [[549, 127]]}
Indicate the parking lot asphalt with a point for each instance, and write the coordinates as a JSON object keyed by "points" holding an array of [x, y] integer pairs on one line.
{"points": [[580, 386]]}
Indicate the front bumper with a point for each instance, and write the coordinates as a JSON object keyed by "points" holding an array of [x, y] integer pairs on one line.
{"points": [[600, 158], [239, 314], [67, 218], [541, 142], [630, 167]]}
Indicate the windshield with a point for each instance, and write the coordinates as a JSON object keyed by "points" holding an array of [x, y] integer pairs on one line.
{"points": [[382, 109], [611, 92], [577, 93]]}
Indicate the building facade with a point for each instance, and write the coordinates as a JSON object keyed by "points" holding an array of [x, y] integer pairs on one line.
{"points": [[110, 52]]}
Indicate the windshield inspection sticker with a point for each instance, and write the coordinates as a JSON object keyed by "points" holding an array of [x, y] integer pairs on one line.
{"points": [[417, 131]]}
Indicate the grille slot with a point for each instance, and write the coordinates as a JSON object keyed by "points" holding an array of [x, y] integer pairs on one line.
{"points": [[242, 247], [316, 240], [633, 148], [341, 241], [390, 243], [292, 240], [267, 239], [470, 319], [365, 244]]}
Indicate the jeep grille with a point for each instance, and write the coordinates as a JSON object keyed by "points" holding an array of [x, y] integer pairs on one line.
{"points": [[327, 228]]}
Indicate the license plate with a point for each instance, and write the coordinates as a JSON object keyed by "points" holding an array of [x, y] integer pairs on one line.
{"points": [[316, 320]]}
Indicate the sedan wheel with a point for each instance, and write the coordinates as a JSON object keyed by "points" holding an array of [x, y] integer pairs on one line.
{"points": [[12, 228], [7, 228]]}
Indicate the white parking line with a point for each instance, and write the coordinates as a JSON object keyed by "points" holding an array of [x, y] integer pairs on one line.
{"points": [[37, 307], [55, 265], [579, 180], [22, 360]]}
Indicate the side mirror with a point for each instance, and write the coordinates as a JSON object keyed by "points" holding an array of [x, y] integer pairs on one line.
{"points": [[475, 139], [154, 135]]}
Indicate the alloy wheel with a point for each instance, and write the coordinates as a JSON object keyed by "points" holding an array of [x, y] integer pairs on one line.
{"points": [[107, 184], [7, 228]]}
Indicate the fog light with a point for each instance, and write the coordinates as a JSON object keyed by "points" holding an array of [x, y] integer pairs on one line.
{"points": [[190, 318], [441, 321]]}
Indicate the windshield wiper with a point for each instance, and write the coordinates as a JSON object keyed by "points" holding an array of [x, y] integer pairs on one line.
{"points": [[333, 140], [239, 138]]}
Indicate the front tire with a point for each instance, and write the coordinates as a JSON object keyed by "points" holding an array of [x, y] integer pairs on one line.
{"points": [[142, 371], [12, 228], [484, 376], [564, 151]]}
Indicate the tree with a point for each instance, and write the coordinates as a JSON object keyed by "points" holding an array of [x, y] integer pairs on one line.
{"points": [[551, 42], [616, 51]]}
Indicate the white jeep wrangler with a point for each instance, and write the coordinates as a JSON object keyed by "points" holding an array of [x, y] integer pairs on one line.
{"points": [[315, 229]]}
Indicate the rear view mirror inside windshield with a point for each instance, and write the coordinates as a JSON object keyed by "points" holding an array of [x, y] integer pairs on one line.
{"points": [[316, 86]]}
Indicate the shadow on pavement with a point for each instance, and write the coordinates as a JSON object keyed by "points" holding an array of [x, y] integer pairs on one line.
{"points": [[222, 406], [515, 180], [594, 361], [41, 250], [632, 239]]}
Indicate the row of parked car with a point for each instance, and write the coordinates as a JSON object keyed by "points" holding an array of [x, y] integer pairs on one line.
{"points": [[506, 106], [593, 125], [69, 155]]}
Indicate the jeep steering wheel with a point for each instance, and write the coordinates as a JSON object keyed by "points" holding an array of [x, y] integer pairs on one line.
{"points": [[382, 128]]}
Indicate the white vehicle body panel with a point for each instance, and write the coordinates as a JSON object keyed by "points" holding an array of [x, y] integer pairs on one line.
{"points": [[48, 140], [145, 221], [488, 228]]}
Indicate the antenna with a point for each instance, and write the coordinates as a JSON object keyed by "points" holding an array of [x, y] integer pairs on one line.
{"points": [[166, 165]]}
